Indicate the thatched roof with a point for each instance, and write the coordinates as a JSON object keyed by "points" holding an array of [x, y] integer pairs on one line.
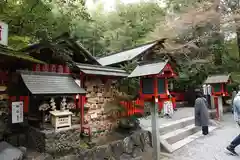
{"points": [[79, 52], [12, 54]]}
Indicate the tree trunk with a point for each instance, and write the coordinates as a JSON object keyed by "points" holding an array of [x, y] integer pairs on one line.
{"points": [[234, 8], [219, 40], [238, 39]]}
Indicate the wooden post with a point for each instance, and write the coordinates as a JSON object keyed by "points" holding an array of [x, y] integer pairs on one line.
{"points": [[212, 102], [220, 107], [155, 131]]}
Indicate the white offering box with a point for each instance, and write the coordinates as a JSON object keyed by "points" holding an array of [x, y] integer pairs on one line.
{"points": [[61, 119]]}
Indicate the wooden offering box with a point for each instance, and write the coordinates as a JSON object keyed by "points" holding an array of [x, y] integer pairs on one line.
{"points": [[61, 119]]}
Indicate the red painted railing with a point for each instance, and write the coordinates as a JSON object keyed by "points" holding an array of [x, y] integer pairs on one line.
{"points": [[132, 108]]}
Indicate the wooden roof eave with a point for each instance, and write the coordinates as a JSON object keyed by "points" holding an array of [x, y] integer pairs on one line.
{"points": [[20, 56], [62, 38]]}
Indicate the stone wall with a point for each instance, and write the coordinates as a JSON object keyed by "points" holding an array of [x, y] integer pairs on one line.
{"points": [[130, 148], [98, 94], [55, 143]]}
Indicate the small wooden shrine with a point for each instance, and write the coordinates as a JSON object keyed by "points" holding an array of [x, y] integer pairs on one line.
{"points": [[11, 61], [218, 84], [154, 81], [218, 87], [49, 94], [154, 88]]}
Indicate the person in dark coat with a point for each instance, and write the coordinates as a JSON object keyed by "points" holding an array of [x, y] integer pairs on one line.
{"points": [[201, 113]]}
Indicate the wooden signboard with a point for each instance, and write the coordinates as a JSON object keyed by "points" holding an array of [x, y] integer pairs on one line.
{"points": [[17, 112], [3, 33]]}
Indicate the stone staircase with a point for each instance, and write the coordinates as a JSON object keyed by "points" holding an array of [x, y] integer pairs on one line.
{"points": [[177, 134]]}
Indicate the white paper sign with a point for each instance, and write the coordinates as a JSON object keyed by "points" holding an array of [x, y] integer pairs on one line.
{"points": [[209, 89], [3, 33], [17, 112], [78, 81], [204, 89], [168, 108]]}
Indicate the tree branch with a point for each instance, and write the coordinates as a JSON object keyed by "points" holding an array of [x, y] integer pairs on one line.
{"points": [[22, 20]]}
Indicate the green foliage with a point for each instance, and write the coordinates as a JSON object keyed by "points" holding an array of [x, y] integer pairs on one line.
{"points": [[33, 20], [232, 48], [129, 25], [103, 33], [129, 86], [19, 55]]}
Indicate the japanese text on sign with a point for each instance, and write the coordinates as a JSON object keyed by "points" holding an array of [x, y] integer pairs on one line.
{"points": [[17, 112]]}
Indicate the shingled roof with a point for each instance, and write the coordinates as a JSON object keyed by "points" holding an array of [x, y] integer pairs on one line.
{"points": [[148, 69], [50, 83], [102, 70], [128, 54], [217, 79]]}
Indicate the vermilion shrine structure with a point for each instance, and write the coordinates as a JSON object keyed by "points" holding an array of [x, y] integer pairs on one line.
{"points": [[218, 85], [154, 88], [154, 84]]}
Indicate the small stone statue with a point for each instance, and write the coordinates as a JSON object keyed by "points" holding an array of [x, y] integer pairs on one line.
{"points": [[63, 104], [53, 104]]}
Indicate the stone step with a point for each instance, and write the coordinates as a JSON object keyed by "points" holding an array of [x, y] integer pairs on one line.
{"points": [[179, 134], [175, 125], [183, 142]]}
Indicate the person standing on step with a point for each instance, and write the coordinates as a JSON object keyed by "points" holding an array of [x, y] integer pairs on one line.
{"points": [[201, 112], [236, 112]]}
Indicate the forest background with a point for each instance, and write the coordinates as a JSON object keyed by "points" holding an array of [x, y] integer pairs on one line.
{"points": [[203, 35]]}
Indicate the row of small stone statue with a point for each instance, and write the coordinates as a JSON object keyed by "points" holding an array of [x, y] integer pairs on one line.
{"points": [[63, 106]]}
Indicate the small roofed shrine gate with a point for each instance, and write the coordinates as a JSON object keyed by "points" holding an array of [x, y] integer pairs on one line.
{"points": [[218, 90], [154, 88]]}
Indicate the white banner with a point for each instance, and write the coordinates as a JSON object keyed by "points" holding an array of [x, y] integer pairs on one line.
{"points": [[168, 108], [3, 33], [17, 112]]}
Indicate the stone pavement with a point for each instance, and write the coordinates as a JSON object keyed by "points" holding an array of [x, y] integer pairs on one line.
{"points": [[211, 147], [179, 114]]}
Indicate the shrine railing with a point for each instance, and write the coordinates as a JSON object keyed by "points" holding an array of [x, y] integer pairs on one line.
{"points": [[132, 108]]}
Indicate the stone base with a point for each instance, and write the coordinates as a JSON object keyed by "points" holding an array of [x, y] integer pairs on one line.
{"points": [[129, 148], [212, 112], [55, 143]]}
